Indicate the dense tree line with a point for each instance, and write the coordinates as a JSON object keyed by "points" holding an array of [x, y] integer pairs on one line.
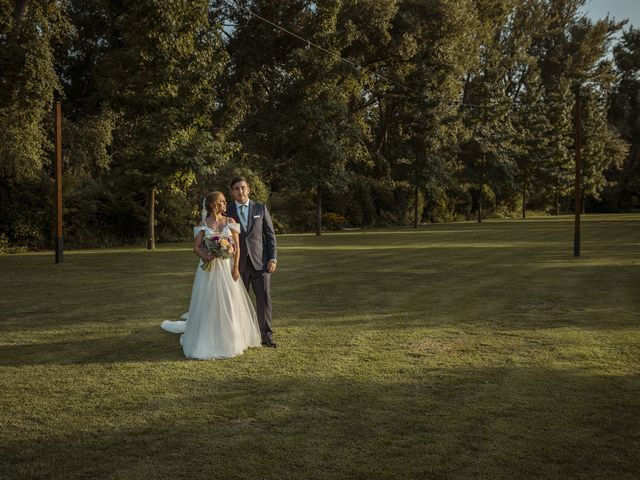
{"points": [[391, 112]]}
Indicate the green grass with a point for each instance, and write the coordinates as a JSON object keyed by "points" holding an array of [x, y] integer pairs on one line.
{"points": [[453, 351]]}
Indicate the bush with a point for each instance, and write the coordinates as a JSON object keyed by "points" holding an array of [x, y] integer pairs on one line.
{"points": [[278, 225], [294, 209], [386, 219], [26, 212], [333, 221], [221, 180], [7, 249]]}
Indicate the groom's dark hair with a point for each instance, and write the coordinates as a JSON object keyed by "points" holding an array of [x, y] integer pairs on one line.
{"points": [[238, 179]]}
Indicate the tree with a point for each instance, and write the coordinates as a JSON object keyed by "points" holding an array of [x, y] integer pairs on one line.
{"points": [[418, 126], [29, 32], [625, 115], [488, 153], [558, 172], [159, 76], [571, 55], [305, 108], [533, 138], [603, 152]]}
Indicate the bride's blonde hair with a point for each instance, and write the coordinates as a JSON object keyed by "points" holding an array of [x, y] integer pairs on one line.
{"points": [[210, 200]]}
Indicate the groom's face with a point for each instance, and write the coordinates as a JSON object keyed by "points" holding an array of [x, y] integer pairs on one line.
{"points": [[240, 192]]}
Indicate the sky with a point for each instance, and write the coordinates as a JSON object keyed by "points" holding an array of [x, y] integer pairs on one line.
{"points": [[618, 9]]}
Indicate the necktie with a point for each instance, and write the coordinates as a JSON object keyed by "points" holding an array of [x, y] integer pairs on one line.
{"points": [[243, 216]]}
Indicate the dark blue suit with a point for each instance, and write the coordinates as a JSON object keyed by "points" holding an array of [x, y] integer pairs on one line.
{"points": [[257, 247]]}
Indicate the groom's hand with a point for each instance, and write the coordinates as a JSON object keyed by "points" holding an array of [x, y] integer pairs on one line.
{"points": [[271, 266]]}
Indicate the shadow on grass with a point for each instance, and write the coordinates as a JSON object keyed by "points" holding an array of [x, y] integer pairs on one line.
{"points": [[467, 424], [144, 345], [530, 317]]}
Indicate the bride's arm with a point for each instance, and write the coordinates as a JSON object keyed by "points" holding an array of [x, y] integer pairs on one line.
{"points": [[197, 247], [235, 268]]}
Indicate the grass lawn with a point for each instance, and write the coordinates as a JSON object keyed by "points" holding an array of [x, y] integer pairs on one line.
{"points": [[459, 351]]}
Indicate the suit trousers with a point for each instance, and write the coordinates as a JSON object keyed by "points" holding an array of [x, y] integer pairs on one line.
{"points": [[260, 281]]}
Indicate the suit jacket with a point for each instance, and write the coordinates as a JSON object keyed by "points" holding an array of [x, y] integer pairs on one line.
{"points": [[258, 242]]}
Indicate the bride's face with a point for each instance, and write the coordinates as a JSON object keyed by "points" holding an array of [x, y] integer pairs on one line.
{"points": [[220, 205]]}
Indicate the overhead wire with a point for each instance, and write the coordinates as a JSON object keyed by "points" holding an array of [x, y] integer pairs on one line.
{"points": [[387, 79]]}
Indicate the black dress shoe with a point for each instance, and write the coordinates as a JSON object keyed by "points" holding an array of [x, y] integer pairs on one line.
{"points": [[268, 342]]}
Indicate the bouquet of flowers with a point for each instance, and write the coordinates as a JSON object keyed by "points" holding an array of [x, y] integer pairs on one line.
{"points": [[218, 245]]}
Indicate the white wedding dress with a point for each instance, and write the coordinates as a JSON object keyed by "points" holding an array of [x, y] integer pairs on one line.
{"points": [[221, 321]]}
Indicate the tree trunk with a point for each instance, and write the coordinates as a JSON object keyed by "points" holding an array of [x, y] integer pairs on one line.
{"points": [[557, 201], [151, 220], [21, 11], [58, 155], [416, 220], [524, 200], [19, 16], [480, 198], [426, 209], [578, 178], [318, 212]]}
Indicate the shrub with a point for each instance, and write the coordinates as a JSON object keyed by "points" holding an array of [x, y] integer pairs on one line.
{"points": [[294, 209], [333, 221]]}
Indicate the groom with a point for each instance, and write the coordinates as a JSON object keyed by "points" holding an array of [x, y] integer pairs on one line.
{"points": [[257, 251]]}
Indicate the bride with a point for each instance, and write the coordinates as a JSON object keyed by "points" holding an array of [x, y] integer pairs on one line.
{"points": [[221, 321]]}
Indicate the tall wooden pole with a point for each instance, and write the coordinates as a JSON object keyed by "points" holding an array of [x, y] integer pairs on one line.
{"points": [[58, 154], [578, 185]]}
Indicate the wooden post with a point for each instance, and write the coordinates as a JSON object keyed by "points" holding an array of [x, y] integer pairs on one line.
{"points": [[58, 155], [578, 182]]}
